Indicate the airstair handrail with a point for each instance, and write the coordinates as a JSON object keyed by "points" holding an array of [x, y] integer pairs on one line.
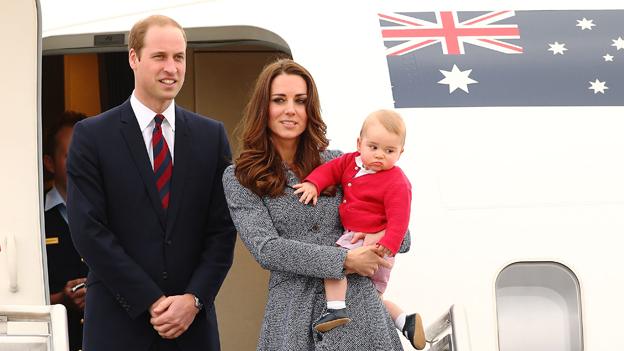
{"points": [[9, 248], [449, 332]]}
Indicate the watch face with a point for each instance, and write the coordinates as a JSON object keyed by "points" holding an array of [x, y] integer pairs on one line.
{"points": [[198, 304]]}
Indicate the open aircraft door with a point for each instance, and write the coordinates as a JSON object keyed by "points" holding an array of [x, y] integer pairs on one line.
{"points": [[26, 323]]}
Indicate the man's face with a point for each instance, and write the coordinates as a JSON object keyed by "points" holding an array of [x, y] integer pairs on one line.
{"points": [[159, 67], [56, 163]]}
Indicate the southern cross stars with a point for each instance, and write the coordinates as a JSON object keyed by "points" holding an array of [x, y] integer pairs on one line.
{"points": [[598, 86], [585, 23], [457, 79], [619, 43], [557, 48]]}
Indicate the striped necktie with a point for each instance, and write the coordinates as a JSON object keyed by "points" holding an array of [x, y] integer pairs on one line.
{"points": [[162, 161]]}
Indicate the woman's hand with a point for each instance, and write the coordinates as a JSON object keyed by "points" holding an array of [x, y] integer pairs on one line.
{"points": [[364, 261]]}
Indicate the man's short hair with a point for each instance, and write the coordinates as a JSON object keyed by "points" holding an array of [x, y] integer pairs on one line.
{"points": [[67, 120], [136, 38]]}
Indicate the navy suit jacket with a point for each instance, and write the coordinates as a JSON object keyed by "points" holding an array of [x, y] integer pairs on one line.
{"points": [[137, 252]]}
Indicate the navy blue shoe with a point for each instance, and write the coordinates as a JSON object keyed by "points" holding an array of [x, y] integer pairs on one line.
{"points": [[414, 332], [331, 319]]}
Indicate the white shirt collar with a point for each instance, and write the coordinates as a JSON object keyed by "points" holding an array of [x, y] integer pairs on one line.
{"points": [[53, 199], [145, 115], [362, 170]]}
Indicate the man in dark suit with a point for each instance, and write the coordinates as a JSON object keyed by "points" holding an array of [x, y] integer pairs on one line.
{"points": [[147, 210]]}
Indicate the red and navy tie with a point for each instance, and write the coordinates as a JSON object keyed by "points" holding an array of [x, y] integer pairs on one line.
{"points": [[162, 161]]}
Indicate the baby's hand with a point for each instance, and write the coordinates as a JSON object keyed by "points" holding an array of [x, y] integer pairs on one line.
{"points": [[369, 238], [308, 192], [386, 251]]}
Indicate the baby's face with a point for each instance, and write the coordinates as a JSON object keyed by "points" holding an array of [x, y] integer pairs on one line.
{"points": [[379, 148]]}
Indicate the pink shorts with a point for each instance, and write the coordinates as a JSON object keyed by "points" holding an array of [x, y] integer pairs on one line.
{"points": [[381, 277]]}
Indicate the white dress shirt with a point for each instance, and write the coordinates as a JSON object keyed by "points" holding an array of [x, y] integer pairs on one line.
{"points": [[52, 199], [362, 171], [145, 117]]}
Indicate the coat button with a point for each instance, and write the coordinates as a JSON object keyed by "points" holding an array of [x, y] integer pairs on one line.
{"points": [[164, 275], [348, 184], [168, 242], [344, 201], [315, 228]]}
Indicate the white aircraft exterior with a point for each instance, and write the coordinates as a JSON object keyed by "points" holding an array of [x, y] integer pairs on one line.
{"points": [[516, 211]]}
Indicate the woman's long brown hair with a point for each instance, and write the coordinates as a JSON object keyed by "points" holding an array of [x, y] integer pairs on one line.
{"points": [[259, 166]]}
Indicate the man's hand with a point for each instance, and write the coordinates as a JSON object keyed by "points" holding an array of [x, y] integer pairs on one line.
{"points": [[153, 306], [71, 299], [364, 261], [172, 315], [308, 192]]}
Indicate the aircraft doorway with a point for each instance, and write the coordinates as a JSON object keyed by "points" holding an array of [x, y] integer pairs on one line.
{"points": [[219, 77]]}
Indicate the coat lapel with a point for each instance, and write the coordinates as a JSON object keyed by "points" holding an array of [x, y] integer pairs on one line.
{"points": [[134, 140], [181, 161]]}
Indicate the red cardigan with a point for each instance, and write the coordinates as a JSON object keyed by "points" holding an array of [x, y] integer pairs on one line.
{"points": [[371, 202]]}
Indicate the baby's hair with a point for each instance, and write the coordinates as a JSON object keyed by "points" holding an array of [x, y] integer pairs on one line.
{"points": [[390, 120]]}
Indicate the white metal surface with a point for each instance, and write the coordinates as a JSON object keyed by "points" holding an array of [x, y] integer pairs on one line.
{"points": [[538, 308], [20, 330], [20, 208]]}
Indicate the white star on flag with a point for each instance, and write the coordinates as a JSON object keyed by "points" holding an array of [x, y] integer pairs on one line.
{"points": [[619, 43], [598, 86], [457, 78], [608, 57], [585, 23], [557, 48]]}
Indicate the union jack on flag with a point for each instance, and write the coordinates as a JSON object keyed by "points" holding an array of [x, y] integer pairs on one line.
{"points": [[483, 30]]}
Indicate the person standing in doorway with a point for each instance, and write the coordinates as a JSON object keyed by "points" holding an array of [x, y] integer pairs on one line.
{"points": [[66, 270]]}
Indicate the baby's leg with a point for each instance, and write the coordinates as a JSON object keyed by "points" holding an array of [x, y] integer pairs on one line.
{"points": [[336, 292], [411, 326], [394, 309], [336, 314]]}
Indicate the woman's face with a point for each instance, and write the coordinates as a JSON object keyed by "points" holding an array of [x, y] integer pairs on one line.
{"points": [[287, 107]]}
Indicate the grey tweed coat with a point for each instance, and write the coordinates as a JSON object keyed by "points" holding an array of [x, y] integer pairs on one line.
{"points": [[296, 243]]}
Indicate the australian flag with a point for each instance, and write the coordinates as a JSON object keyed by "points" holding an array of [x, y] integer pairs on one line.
{"points": [[505, 58]]}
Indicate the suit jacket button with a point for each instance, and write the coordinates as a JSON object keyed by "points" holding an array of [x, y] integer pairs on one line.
{"points": [[168, 242], [164, 275]]}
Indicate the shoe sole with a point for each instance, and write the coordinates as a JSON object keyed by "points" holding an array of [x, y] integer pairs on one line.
{"points": [[419, 333], [327, 326]]}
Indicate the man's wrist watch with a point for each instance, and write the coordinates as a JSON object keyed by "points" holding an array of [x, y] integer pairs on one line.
{"points": [[198, 303]]}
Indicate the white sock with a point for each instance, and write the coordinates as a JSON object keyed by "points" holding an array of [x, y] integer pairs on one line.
{"points": [[400, 321], [336, 305]]}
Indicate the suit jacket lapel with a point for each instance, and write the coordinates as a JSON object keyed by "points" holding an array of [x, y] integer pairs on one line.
{"points": [[181, 161], [134, 140]]}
